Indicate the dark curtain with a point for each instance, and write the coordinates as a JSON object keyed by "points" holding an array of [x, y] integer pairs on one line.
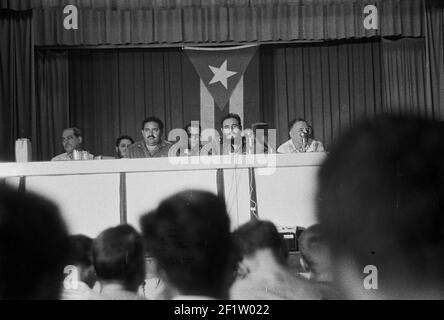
{"points": [[52, 103], [175, 22], [405, 87], [16, 79], [20, 5], [112, 91], [330, 85], [435, 46]]}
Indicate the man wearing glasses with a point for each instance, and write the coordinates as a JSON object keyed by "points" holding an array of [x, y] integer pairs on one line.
{"points": [[231, 141], [152, 145], [301, 139]]}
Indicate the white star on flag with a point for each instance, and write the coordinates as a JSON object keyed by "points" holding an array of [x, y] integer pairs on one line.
{"points": [[221, 74]]}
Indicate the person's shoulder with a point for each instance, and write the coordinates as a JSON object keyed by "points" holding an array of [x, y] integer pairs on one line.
{"points": [[244, 289], [167, 144], [60, 157], [329, 291], [136, 145], [304, 289], [136, 150], [283, 148]]}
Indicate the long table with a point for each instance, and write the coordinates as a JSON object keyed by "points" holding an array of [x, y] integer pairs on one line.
{"points": [[97, 194]]}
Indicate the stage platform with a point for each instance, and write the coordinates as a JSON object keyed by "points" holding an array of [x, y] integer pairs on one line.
{"points": [[96, 194]]}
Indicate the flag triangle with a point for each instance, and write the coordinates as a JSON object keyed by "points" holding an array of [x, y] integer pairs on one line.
{"points": [[220, 69]]}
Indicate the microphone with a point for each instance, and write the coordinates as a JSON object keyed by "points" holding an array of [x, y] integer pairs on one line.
{"points": [[304, 136], [232, 144]]}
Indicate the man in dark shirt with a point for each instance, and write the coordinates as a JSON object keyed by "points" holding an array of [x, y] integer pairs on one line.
{"points": [[152, 145]]}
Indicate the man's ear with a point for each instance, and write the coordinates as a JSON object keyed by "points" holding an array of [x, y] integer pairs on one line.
{"points": [[80, 139], [242, 269], [290, 134], [303, 264]]}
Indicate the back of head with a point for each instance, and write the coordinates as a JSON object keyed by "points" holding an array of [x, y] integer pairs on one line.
{"points": [[80, 250], [80, 255], [118, 256], [381, 197], [33, 246], [314, 250], [256, 235], [189, 235]]}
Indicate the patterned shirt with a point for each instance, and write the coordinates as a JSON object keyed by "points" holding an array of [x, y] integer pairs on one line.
{"points": [[140, 150], [62, 157], [289, 147]]}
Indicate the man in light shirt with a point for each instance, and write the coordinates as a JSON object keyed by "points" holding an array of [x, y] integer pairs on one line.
{"points": [[71, 140], [301, 139]]}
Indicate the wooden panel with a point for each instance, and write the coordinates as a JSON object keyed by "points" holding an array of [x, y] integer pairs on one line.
{"points": [[146, 189], [287, 198], [88, 203]]}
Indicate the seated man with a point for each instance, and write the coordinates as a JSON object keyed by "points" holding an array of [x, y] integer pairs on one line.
{"points": [[189, 236], [122, 144], [380, 205], [71, 140], [33, 247], [152, 145], [301, 139], [232, 141], [118, 258], [194, 145], [262, 266]]}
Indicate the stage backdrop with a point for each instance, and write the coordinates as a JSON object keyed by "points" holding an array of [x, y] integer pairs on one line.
{"points": [[333, 85], [27, 23]]}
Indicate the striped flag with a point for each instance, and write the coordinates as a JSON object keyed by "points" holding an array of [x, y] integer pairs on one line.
{"points": [[224, 75]]}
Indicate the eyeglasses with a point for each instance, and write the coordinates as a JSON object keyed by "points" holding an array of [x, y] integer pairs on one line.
{"points": [[233, 126]]}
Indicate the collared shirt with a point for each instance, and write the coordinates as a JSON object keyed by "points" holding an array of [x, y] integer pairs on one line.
{"points": [[140, 150], [275, 283], [62, 157], [289, 147], [215, 148]]}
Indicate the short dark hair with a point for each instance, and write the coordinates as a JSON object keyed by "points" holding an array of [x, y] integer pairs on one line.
{"points": [[294, 121], [118, 254], [381, 197], [80, 250], [75, 130], [189, 236], [33, 247], [188, 125], [123, 137], [153, 119], [231, 116], [259, 234]]}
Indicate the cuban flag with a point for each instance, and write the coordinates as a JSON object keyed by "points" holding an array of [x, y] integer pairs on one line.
{"points": [[223, 79]]}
